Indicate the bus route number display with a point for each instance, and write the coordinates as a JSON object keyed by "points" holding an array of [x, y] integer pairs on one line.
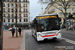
{"points": [[45, 17]]}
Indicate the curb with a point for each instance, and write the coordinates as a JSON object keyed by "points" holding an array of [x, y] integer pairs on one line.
{"points": [[23, 43]]}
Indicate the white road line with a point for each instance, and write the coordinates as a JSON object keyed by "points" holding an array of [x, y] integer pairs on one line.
{"points": [[69, 41]]}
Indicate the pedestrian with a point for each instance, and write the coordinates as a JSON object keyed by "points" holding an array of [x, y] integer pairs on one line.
{"points": [[13, 31], [19, 30]]}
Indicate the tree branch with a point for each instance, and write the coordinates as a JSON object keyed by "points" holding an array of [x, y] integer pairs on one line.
{"points": [[69, 5], [58, 9]]}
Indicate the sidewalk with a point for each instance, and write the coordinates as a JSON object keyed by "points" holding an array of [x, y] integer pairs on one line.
{"points": [[10, 43]]}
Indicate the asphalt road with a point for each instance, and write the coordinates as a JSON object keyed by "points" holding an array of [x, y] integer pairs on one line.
{"points": [[66, 43]]}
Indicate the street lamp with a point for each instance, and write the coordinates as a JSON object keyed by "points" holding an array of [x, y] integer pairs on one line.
{"points": [[16, 16]]}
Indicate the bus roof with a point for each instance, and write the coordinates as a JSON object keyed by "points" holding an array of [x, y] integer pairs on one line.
{"points": [[46, 14]]}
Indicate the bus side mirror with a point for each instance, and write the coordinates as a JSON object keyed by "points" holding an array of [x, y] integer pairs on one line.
{"points": [[60, 22], [35, 21], [59, 19]]}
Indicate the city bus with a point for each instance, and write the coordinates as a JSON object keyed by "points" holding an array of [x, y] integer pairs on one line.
{"points": [[46, 26]]}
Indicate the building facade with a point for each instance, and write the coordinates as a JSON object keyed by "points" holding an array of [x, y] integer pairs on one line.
{"points": [[16, 8], [50, 9]]}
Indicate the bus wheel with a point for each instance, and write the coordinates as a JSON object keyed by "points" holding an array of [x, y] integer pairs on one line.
{"points": [[54, 38]]}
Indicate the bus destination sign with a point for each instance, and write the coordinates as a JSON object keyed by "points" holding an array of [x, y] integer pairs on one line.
{"points": [[45, 17]]}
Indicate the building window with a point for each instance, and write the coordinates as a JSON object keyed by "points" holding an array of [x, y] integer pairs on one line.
{"points": [[26, 0], [8, 20], [12, 10], [73, 9], [60, 4], [16, 15], [3, 5], [12, 20], [8, 5], [23, 5], [4, 0], [73, 13], [19, 15], [16, 10], [23, 0], [19, 0], [19, 5], [12, 0], [7, 0], [73, 4], [60, 8], [60, 13], [4, 15], [24, 20], [12, 15], [12, 5], [20, 20], [19, 10], [8, 10], [26, 15], [24, 10], [55, 4], [68, 9], [3, 9], [26, 5], [8, 15], [4, 20], [16, 5]]}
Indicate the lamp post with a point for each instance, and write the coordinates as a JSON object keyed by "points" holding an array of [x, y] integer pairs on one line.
{"points": [[16, 16], [1, 25]]}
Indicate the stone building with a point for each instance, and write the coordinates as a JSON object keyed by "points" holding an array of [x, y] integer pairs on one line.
{"points": [[16, 8], [50, 9]]}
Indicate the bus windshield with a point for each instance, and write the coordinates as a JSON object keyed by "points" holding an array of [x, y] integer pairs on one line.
{"points": [[47, 25]]}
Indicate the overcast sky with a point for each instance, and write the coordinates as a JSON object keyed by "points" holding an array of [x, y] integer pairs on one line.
{"points": [[35, 8]]}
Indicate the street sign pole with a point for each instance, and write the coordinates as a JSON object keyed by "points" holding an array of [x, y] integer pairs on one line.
{"points": [[1, 25]]}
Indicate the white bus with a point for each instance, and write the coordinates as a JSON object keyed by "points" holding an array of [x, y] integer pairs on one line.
{"points": [[46, 27]]}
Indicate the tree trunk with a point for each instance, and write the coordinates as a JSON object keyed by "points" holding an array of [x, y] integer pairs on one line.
{"points": [[1, 25], [65, 15], [66, 24]]}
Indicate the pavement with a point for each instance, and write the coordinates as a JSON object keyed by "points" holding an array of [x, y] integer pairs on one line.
{"points": [[12, 43], [21, 43]]}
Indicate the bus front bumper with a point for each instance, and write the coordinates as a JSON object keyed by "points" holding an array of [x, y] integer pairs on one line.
{"points": [[41, 38]]}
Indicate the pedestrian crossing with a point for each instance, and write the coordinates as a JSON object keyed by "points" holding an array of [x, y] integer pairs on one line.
{"points": [[69, 41]]}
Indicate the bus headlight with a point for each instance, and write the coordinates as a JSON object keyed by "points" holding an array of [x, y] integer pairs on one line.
{"points": [[39, 35]]}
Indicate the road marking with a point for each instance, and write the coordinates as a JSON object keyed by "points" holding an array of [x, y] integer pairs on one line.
{"points": [[74, 33], [40, 49], [69, 41]]}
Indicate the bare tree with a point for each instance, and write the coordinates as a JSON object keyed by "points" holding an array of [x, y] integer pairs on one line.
{"points": [[65, 4]]}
